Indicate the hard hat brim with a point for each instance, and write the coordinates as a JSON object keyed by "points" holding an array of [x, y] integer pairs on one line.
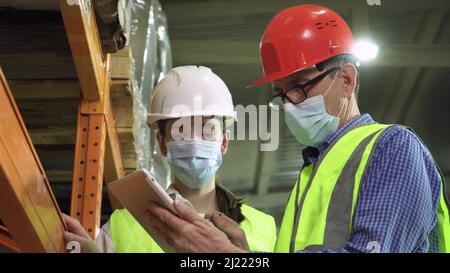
{"points": [[281, 74], [153, 119], [275, 76]]}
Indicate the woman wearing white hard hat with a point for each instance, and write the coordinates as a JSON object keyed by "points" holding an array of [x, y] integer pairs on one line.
{"points": [[195, 153], [191, 108]]}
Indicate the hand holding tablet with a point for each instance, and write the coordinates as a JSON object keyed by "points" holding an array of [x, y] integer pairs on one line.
{"points": [[134, 191]]}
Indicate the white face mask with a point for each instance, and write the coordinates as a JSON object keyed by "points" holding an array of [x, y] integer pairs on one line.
{"points": [[309, 120], [194, 162]]}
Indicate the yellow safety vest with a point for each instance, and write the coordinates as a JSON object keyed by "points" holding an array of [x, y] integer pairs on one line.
{"points": [[129, 236], [320, 209]]}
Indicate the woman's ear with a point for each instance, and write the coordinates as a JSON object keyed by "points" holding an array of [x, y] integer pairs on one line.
{"points": [[349, 72], [225, 142], [162, 144]]}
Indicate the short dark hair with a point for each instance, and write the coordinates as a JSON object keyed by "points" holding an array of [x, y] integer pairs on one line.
{"points": [[340, 60], [162, 126]]}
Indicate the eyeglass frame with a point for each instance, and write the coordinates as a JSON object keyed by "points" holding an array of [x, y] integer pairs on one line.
{"points": [[315, 80]]}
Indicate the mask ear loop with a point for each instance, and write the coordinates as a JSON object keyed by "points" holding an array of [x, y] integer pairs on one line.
{"points": [[340, 111], [335, 76], [348, 98], [328, 89]]}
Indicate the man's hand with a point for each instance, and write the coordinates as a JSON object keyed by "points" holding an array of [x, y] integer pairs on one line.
{"points": [[234, 233], [77, 233], [188, 232]]}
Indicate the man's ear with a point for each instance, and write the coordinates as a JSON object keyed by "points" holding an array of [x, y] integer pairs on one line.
{"points": [[225, 142], [348, 73], [162, 144]]}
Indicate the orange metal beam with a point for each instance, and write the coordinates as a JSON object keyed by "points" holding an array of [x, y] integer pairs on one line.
{"points": [[7, 241], [27, 205], [87, 180], [82, 32], [96, 131], [88, 171], [97, 158]]}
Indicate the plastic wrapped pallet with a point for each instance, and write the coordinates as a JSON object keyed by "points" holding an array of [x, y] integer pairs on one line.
{"points": [[146, 28]]}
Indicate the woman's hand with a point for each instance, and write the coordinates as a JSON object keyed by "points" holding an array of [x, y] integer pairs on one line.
{"points": [[76, 233]]}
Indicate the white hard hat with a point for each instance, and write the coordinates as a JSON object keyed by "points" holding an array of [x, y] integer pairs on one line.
{"points": [[190, 91]]}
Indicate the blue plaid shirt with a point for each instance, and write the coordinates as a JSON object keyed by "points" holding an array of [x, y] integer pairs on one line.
{"points": [[399, 194]]}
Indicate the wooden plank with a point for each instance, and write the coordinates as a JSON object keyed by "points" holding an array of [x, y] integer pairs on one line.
{"points": [[121, 88], [60, 176], [65, 176], [114, 168], [47, 66], [34, 45], [60, 159], [123, 53], [66, 135], [45, 89], [27, 205], [125, 134], [53, 135], [56, 157], [113, 165], [63, 89], [25, 66], [49, 112], [124, 116], [48, 106], [44, 121], [121, 64]]}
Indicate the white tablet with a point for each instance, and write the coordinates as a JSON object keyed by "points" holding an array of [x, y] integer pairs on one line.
{"points": [[134, 191]]}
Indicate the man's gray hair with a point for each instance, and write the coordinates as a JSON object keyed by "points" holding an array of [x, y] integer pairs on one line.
{"points": [[338, 61]]}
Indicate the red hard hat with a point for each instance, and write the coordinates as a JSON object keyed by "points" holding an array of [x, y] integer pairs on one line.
{"points": [[299, 37]]}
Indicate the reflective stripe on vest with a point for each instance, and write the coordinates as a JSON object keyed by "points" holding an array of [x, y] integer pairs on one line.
{"points": [[320, 209], [128, 236]]}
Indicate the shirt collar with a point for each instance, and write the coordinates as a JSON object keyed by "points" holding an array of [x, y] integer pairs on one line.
{"points": [[311, 154], [362, 119]]}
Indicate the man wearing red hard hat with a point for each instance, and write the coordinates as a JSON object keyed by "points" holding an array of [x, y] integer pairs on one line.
{"points": [[364, 186]]}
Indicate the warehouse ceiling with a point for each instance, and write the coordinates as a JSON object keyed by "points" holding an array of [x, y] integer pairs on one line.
{"points": [[407, 83]]}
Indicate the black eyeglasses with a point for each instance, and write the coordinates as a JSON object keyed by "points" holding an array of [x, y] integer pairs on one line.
{"points": [[298, 93]]}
